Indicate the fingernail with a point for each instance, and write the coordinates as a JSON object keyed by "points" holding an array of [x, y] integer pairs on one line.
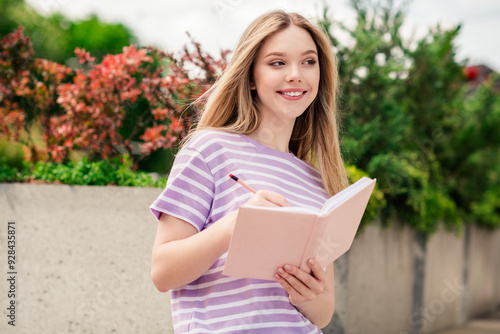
{"points": [[281, 271], [288, 268], [311, 262]]}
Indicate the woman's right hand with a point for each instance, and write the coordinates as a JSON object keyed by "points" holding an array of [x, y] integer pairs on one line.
{"points": [[267, 198]]}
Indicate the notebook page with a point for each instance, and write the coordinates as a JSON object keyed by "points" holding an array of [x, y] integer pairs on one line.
{"points": [[343, 195]]}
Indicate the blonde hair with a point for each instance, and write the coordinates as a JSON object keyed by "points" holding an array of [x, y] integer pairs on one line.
{"points": [[231, 107]]}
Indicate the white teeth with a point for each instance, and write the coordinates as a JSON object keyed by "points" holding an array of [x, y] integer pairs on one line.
{"points": [[292, 93]]}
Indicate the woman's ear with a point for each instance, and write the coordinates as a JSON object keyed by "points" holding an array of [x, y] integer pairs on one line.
{"points": [[252, 84]]}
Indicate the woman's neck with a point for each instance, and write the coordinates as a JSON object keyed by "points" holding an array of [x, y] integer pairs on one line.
{"points": [[274, 134]]}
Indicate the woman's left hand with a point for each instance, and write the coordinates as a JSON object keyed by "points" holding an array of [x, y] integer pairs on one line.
{"points": [[301, 286]]}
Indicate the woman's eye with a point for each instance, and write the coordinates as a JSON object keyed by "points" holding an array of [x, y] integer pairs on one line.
{"points": [[277, 63], [310, 62]]}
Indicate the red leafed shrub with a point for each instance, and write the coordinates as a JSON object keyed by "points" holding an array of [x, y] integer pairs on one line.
{"points": [[134, 102], [27, 90]]}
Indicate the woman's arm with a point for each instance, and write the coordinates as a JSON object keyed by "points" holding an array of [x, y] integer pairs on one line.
{"points": [[181, 254], [312, 294]]}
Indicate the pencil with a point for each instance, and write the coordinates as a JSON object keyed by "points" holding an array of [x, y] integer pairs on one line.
{"points": [[242, 183]]}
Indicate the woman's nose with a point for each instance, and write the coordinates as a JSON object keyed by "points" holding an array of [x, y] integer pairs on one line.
{"points": [[294, 74]]}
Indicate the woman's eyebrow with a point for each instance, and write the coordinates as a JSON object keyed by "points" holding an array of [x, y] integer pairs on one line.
{"points": [[282, 54], [309, 52]]}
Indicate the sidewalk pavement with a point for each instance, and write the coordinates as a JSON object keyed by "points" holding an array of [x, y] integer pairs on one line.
{"points": [[478, 326]]}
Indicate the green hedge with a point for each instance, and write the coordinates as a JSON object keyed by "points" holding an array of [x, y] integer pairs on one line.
{"points": [[100, 173]]}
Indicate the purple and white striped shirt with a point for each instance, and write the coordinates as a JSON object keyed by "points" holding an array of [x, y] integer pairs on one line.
{"points": [[200, 192]]}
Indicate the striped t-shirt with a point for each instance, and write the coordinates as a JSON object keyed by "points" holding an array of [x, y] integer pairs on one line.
{"points": [[200, 192]]}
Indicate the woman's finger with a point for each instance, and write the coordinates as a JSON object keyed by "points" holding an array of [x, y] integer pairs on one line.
{"points": [[273, 197], [293, 294], [301, 281], [316, 270]]}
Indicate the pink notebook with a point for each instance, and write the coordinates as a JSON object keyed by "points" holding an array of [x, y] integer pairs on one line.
{"points": [[266, 238]]}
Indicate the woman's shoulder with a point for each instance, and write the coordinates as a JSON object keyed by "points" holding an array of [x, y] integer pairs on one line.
{"points": [[203, 140]]}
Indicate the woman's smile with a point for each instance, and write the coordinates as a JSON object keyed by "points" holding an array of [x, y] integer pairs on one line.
{"points": [[292, 94]]}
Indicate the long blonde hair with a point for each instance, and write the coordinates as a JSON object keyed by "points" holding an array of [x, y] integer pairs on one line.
{"points": [[231, 107]]}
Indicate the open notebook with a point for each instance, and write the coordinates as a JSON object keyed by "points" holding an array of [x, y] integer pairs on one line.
{"points": [[266, 238]]}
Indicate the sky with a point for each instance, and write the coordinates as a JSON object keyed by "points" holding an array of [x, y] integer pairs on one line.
{"points": [[217, 24]]}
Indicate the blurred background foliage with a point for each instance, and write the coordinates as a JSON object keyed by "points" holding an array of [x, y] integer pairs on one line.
{"points": [[410, 118], [55, 37]]}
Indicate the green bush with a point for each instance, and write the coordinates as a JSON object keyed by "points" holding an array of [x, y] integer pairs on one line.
{"points": [[11, 174], [377, 200], [411, 120], [117, 171]]}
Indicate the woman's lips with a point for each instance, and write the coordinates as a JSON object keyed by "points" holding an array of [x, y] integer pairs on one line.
{"points": [[292, 95]]}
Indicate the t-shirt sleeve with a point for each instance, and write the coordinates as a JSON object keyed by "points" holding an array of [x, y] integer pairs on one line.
{"points": [[189, 192]]}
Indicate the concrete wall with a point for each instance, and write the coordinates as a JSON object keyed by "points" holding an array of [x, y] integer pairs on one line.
{"points": [[380, 280], [443, 283], [483, 277], [83, 261]]}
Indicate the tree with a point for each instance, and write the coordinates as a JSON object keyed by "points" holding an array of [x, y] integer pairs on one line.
{"points": [[47, 36], [96, 37], [55, 37], [7, 23], [406, 116]]}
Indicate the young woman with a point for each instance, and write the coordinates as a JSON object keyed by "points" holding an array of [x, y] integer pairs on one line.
{"points": [[270, 119]]}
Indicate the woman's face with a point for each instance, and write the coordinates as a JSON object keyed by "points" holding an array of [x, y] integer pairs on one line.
{"points": [[286, 74]]}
